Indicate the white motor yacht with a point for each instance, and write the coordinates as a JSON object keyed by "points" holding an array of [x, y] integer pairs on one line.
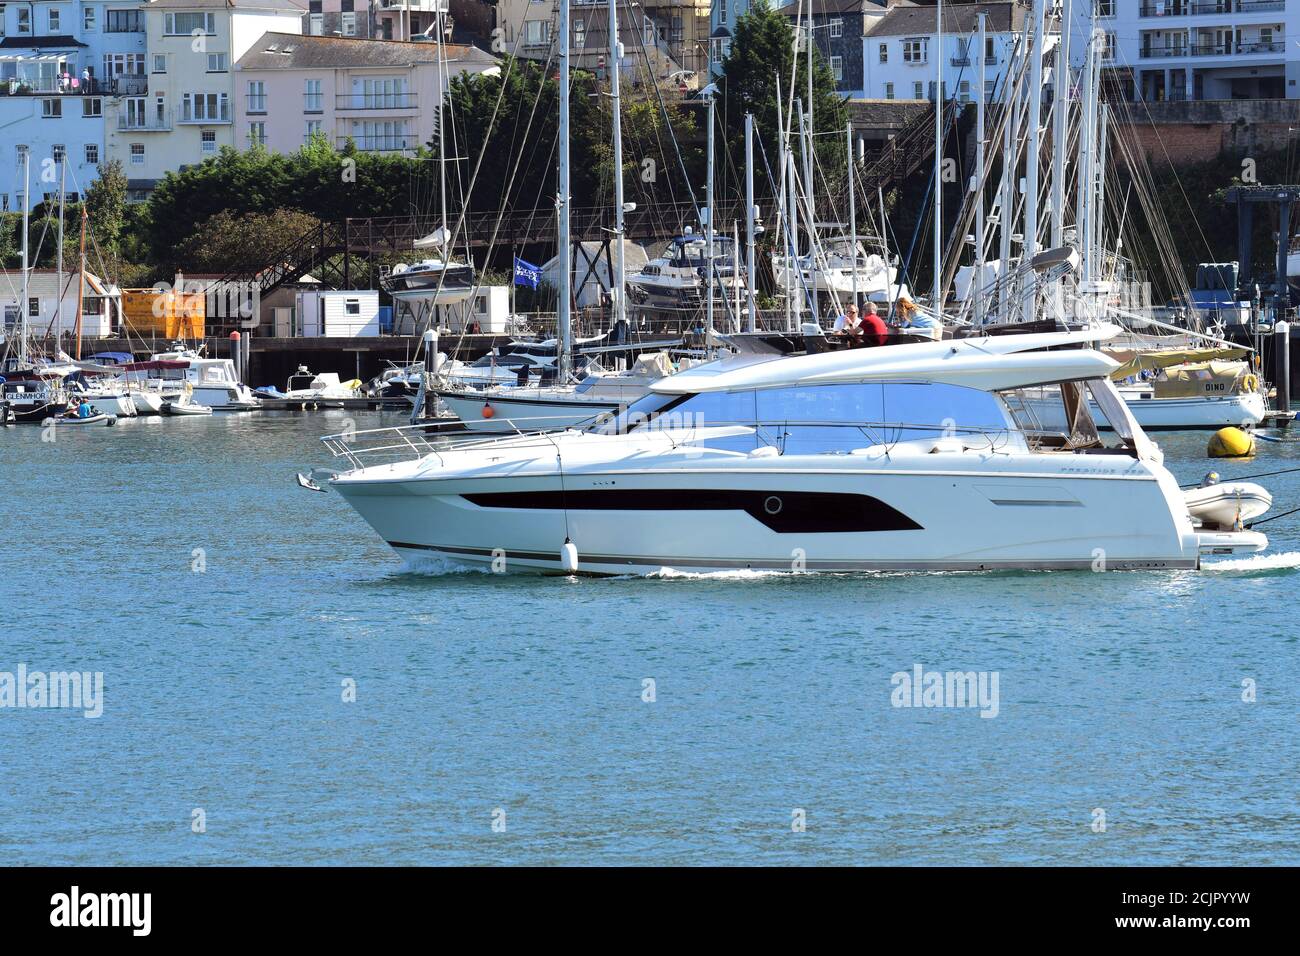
{"points": [[211, 382], [677, 279], [913, 457]]}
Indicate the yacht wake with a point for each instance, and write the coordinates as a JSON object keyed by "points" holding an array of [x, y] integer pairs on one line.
{"points": [[1256, 562], [434, 567]]}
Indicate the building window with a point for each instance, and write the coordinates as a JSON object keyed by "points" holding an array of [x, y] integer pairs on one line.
{"points": [[92, 106], [88, 19], [537, 32], [257, 134], [837, 28], [55, 20], [51, 109], [1108, 49], [579, 35], [206, 107], [160, 62], [34, 308], [24, 20], [837, 67], [312, 100], [316, 24], [123, 21], [58, 152], [187, 24], [256, 96], [914, 50], [351, 306], [92, 154], [722, 11], [313, 127], [137, 154], [884, 53], [989, 87], [216, 63], [1105, 8], [889, 91], [348, 24], [208, 141], [918, 91], [963, 91]]}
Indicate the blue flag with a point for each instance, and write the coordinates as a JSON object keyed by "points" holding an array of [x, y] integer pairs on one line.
{"points": [[527, 274]]}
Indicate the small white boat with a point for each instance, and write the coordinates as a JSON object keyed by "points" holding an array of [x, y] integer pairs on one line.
{"points": [[1228, 505], [185, 408]]}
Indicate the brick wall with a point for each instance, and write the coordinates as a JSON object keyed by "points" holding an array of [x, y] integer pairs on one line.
{"points": [[1196, 130]]}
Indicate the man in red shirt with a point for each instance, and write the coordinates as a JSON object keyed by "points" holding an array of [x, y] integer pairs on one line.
{"points": [[872, 326]]}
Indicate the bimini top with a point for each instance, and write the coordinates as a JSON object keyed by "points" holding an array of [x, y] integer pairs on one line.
{"points": [[990, 364]]}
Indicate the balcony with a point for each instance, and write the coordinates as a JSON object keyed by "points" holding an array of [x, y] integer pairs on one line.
{"points": [[148, 122], [313, 103], [381, 143], [418, 6], [1214, 49], [375, 101], [1197, 8], [959, 61]]}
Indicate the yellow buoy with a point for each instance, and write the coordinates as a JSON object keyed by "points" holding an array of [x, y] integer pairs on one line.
{"points": [[1231, 443]]}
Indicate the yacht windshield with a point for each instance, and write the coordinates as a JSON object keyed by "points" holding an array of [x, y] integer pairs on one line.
{"points": [[820, 419]]}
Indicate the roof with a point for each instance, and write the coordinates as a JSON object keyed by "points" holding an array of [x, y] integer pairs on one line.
{"points": [[988, 363], [40, 43], [824, 7], [1004, 16], [292, 51]]}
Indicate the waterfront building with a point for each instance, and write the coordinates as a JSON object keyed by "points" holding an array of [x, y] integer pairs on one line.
{"points": [[380, 94], [838, 30], [52, 305], [184, 111], [900, 47], [60, 63], [669, 35], [1163, 50]]}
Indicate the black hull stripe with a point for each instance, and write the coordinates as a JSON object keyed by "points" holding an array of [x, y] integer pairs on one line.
{"points": [[785, 512]]}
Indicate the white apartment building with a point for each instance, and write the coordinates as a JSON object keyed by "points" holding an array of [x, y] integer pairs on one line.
{"points": [[60, 62], [1200, 49], [899, 50], [185, 112]]}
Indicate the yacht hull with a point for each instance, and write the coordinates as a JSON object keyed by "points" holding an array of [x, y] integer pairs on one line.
{"points": [[810, 515]]}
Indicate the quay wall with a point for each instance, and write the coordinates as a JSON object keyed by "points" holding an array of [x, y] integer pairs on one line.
{"points": [[1195, 130]]}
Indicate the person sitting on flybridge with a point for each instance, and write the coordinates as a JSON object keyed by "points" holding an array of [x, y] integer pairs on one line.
{"points": [[847, 322], [916, 321]]}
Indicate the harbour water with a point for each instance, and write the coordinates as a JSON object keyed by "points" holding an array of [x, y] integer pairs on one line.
{"points": [[229, 611]]}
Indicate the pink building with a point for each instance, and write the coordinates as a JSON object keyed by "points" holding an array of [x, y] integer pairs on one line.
{"points": [[382, 94]]}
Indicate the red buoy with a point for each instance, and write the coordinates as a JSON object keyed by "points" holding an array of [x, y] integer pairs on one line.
{"points": [[488, 410]]}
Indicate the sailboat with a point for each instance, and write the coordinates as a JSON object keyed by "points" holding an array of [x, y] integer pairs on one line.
{"points": [[32, 392]]}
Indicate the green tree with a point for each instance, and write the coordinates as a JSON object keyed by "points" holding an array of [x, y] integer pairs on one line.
{"points": [[106, 206], [762, 50], [243, 242]]}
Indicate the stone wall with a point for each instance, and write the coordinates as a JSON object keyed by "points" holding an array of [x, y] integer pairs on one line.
{"points": [[1196, 130]]}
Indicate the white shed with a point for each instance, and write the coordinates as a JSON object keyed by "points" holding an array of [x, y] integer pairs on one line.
{"points": [[344, 313]]}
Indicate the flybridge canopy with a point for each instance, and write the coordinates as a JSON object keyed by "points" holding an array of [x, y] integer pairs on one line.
{"points": [[991, 363]]}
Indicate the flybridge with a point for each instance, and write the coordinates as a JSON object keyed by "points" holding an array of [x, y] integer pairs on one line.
{"points": [[991, 363]]}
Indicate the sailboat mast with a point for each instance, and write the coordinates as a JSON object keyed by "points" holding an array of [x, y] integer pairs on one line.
{"points": [[976, 287], [853, 214], [935, 292], [809, 188], [752, 322], [22, 305], [562, 317], [709, 250], [442, 149], [58, 269], [1029, 248], [81, 277], [615, 67]]}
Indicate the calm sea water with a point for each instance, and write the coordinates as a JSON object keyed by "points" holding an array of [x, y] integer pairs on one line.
{"points": [[519, 699]]}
